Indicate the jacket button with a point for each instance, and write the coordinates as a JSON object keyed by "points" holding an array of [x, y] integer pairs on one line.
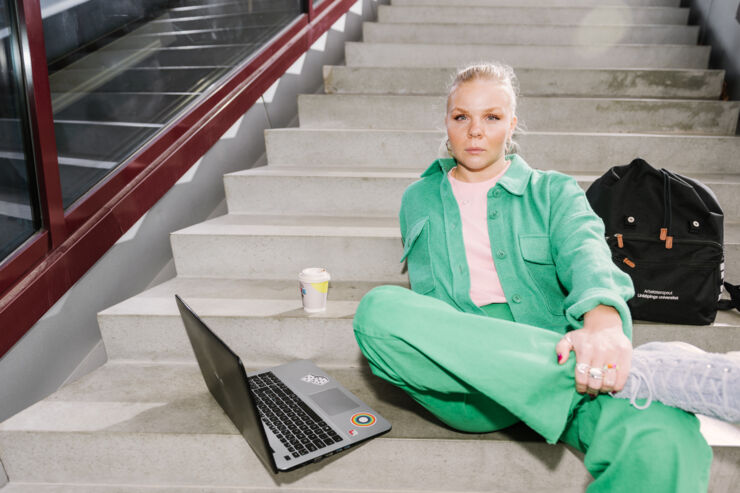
{"points": [[493, 214], [516, 298], [501, 254], [497, 193]]}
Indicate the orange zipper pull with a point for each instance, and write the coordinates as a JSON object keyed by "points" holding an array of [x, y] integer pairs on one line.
{"points": [[620, 241], [629, 262], [669, 242], [663, 233]]}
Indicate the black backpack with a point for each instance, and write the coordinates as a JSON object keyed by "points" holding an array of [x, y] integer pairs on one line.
{"points": [[666, 231]]}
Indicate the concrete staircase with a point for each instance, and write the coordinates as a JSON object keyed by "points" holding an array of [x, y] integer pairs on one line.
{"points": [[329, 196]]}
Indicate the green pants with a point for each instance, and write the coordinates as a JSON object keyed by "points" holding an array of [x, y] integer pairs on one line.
{"points": [[480, 374]]}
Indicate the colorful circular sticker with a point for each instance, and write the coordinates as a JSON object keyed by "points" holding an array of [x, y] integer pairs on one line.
{"points": [[363, 419]]}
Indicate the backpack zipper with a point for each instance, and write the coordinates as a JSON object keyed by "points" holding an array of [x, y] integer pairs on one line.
{"points": [[621, 239]]}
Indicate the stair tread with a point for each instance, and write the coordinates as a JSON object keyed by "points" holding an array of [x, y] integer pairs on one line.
{"points": [[126, 397], [148, 398], [71, 487], [534, 47], [259, 224], [295, 225], [529, 56], [536, 70], [412, 172], [609, 15], [521, 3], [255, 298], [626, 82], [573, 25], [415, 132], [555, 100], [560, 150], [647, 115]]}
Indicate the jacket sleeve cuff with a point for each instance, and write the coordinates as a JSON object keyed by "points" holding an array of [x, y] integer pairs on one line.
{"points": [[594, 298]]}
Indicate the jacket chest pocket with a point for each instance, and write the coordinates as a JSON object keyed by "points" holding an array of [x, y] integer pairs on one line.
{"points": [[540, 266], [416, 253]]}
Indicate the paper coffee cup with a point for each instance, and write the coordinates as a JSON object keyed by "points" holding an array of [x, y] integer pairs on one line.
{"points": [[314, 288]]}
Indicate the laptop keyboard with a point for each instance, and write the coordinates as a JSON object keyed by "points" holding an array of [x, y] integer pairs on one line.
{"points": [[295, 424]]}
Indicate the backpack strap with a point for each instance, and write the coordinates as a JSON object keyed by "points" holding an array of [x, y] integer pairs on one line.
{"points": [[734, 302]]}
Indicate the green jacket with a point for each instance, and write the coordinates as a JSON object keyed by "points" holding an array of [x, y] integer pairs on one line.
{"points": [[548, 246]]}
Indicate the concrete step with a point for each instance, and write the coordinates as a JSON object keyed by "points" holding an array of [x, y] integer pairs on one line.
{"points": [[566, 152], [263, 320], [27, 487], [575, 34], [158, 425], [155, 425], [536, 3], [260, 319], [375, 191], [591, 15], [605, 83], [530, 56], [359, 248], [402, 112]]}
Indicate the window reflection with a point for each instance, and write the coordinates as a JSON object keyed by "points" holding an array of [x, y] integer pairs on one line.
{"points": [[19, 218], [120, 71]]}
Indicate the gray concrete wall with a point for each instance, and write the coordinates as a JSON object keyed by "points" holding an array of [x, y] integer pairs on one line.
{"points": [[65, 344], [720, 27], [3, 476]]}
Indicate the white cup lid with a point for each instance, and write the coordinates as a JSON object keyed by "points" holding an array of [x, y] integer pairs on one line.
{"points": [[314, 274]]}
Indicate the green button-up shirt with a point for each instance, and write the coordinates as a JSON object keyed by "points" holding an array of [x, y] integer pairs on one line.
{"points": [[547, 244]]}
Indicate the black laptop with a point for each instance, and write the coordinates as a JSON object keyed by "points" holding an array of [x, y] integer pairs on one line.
{"points": [[291, 415]]}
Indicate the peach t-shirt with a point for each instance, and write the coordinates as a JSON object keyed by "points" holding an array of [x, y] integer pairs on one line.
{"points": [[472, 199]]}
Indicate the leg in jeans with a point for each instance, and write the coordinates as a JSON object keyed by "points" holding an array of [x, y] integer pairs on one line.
{"points": [[469, 370]]}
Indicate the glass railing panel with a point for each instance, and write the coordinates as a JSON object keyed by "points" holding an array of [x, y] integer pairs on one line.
{"points": [[19, 217], [120, 71]]}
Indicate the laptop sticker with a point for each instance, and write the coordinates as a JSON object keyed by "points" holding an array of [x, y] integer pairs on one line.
{"points": [[363, 419], [353, 433], [316, 380]]}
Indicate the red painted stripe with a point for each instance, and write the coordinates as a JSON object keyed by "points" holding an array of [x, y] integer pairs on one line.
{"points": [[98, 220]]}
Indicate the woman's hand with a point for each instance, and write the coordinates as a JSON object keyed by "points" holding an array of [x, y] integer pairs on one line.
{"points": [[603, 352]]}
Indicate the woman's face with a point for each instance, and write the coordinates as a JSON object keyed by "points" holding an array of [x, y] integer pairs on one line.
{"points": [[479, 122]]}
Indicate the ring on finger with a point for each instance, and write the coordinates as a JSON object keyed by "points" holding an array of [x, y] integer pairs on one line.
{"points": [[596, 373], [611, 367], [583, 368]]}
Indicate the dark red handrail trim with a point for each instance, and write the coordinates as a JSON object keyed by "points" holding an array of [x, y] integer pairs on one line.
{"points": [[154, 171], [24, 258], [36, 78], [42, 121]]}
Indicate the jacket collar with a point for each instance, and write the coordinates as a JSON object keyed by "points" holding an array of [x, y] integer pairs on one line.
{"points": [[515, 180]]}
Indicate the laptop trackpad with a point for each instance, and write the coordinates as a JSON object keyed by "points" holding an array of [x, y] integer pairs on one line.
{"points": [[333, 401]]}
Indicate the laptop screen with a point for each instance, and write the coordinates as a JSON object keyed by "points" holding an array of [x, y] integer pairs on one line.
{"points": [[226, 378]]}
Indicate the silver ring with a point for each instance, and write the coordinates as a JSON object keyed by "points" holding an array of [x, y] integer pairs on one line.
{"points": [[596, 373], [567, 338], [583, 368]]}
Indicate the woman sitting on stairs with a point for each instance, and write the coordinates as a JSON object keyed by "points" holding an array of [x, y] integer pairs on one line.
{"points": [[484, 338]]}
